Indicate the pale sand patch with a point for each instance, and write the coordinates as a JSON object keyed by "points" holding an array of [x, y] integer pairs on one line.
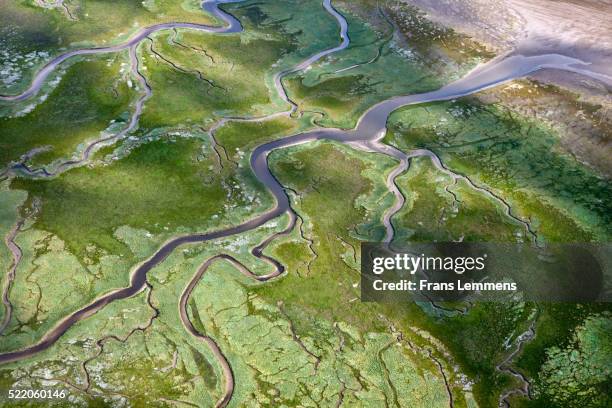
{"points": [[576, 28]]}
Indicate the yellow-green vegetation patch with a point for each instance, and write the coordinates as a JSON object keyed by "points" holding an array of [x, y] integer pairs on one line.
{"points": [[72, 364], [579, 374], [517, 157], [165, 186], [275, 363], [437, 209], [51, 282], [374, 67], [91, 95], [136, 350], [304, 24], [197, 77], [557, 328], [206, 75], [238, 137], [32, 35], [327, 182]]}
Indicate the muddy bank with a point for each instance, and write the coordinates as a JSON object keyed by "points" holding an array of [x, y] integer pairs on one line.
{"points": [[578, 29]]}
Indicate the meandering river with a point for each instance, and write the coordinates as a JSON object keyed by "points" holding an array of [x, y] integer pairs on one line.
{"points": [[371, 126]]}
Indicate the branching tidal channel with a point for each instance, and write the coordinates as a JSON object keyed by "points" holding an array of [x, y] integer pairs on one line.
{"points": [[366, 135]]}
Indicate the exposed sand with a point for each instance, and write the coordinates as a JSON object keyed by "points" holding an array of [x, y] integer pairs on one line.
{"points": [[576, 28]]}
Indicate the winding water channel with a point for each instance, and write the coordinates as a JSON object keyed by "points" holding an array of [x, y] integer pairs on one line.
{"points": [[367, 134]]}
